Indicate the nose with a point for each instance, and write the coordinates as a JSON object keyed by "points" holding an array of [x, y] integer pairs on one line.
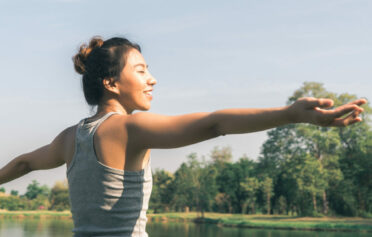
{"points": [[151, 80]]}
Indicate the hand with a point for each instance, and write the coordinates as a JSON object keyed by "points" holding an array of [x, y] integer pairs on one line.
{"points": [[314, 111]]}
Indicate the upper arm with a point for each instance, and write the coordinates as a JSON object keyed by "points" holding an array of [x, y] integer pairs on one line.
{"points": [[147, 130], [49, 156]]}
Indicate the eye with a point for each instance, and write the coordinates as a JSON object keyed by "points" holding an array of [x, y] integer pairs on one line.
{"points": [[141, 72]]}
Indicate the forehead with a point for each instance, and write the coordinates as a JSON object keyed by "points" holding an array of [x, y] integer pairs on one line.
{"points": [[134, 57]]}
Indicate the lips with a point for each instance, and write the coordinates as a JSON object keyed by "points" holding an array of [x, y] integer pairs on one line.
{"points": [[148, 93]]}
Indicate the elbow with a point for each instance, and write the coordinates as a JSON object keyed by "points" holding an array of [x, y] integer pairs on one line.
{"points": [[217, 130], [23, 165]]}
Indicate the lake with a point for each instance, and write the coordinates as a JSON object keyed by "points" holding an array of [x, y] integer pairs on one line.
{"points": [[59, 228]]}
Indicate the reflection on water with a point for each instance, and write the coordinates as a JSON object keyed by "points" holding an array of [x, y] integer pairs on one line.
{"points": [[62, 228], [194, 230], [35, 228]]}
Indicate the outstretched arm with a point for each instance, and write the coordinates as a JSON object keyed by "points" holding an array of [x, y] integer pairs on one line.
{"points": [[46, 157], [146, 130]]}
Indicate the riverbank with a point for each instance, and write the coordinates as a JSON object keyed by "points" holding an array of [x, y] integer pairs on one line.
{"points": [[271, 221], [35, 214], [232, 220]]}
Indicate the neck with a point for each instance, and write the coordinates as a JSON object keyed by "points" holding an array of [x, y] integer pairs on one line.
{"points": [[112, 105]]}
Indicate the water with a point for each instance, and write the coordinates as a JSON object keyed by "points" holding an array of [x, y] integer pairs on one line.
{"points": [[59, 228]]}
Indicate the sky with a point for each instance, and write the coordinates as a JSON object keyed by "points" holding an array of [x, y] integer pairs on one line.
{"points": [[205, 55]]}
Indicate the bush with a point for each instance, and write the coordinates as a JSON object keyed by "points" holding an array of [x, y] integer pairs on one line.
{"points": [[12, 203]]}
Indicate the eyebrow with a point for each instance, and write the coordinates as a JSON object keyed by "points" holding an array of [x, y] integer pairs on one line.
{"points": [[141, 64]]}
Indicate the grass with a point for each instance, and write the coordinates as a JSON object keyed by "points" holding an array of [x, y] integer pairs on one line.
{"points": [[232, 220], [35, 214], [272, 221]]}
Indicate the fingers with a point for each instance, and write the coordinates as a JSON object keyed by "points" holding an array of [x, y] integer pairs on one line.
{"points": [[351, 119], [344, 109], [358, 102], [321, 103]]}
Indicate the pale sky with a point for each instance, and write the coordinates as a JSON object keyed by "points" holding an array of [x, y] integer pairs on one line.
{"points": [[205, 55]]}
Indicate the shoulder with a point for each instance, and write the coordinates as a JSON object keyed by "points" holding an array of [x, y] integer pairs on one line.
{"points": [[67, 133], [64, 140]]}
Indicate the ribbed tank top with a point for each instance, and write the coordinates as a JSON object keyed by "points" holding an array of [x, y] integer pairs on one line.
{"points": [[105, 201]]}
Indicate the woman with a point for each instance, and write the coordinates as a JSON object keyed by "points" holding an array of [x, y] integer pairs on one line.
{"points": [[108, 155]]}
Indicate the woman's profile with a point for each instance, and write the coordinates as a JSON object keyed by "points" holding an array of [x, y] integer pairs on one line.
{"points": [[108, 155]]}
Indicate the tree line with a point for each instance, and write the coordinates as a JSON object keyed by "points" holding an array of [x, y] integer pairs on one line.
{"points": [[37, 197], [302, 170]]}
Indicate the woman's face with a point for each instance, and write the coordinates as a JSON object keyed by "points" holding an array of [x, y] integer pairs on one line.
{"points": [[135, 83]]}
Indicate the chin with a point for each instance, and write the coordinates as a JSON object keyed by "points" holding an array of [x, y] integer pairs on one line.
{"points": [[145, 108]]}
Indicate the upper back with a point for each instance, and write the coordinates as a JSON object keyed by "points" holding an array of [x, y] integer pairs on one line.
{"points": [[105, 199], [111, 145]]}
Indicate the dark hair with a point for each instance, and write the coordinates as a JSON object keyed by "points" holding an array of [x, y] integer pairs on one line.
{"points": [[99, 60]]}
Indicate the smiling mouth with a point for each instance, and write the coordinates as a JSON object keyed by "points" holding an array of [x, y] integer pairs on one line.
{"points": [[148, 93]]}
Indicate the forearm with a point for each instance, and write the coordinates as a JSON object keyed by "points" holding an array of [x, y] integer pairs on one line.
{"points": [[14, 169], [235, 121]]}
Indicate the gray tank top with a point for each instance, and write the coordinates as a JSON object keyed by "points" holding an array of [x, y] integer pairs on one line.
{"points": [[105, 201]]}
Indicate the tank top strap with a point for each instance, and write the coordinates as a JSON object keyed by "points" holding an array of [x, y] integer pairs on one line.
{"points": [[84, 137], [95, 124]]}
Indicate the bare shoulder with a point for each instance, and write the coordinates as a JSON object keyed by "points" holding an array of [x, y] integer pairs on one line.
{"points": [[66, 135], [64, 143]]}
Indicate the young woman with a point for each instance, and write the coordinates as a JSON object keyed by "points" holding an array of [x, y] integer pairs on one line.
{"points": [[108, 155]]}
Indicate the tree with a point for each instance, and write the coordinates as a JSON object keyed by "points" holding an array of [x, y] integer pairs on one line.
{"points": [[162, 192], [14, 193], [59, 197], [12, 203], [250, 185], [220, 156], [307, 162], [207, 188], [34, 189], [267, 189], [325, 143], [229, 181]]}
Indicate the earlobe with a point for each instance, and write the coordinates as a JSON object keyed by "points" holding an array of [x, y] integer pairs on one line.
{"points": [[110, 85]]}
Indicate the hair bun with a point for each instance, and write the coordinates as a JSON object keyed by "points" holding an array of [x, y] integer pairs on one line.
{"points": [[81, 57]]}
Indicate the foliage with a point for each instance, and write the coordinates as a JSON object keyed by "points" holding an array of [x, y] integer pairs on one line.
{"points": [[161, 191], [302, 170], [59, 197], [34, 190], [12, 203]]}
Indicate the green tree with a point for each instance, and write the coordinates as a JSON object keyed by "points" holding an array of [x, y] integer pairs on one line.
{"points": [[194, 185], [229, 181], [14, 192], [282, 205], [325, 143], [162, 192], [250, 185], [220, 156], [267, 189], [34, 189], [12, 203], [184, 184], [59, 197], [206, 188], [307, 162]]}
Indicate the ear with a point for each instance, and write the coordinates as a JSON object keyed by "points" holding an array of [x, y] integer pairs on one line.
{"points": [[110, 85]]}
